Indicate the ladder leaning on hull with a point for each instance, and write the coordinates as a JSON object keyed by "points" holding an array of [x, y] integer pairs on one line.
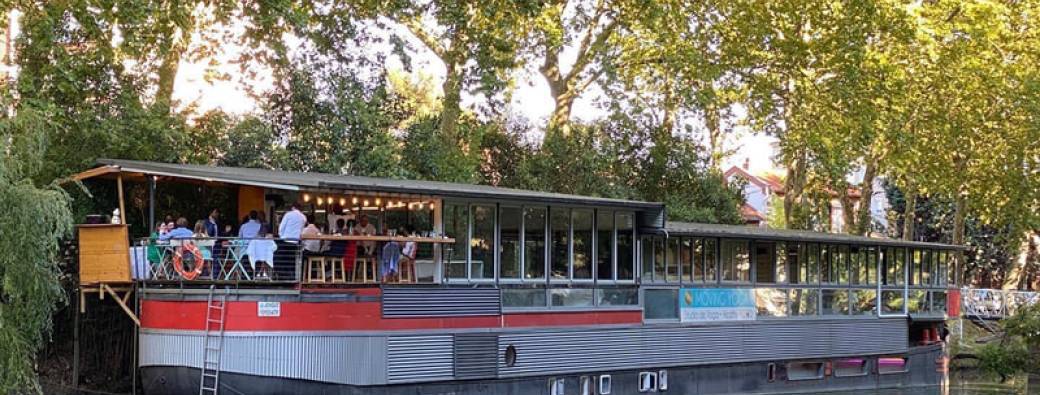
{"points": [[213, 343]]}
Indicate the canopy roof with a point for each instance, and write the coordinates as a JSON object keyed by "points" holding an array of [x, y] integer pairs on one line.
{"points": [[755, 232], [295, 181]]}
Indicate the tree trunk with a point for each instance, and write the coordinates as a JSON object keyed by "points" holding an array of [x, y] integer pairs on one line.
{"points": [[910, 214], [794, 184], [712, 123], [863, 218], [561, 115], [451, 108], [167, 77]]}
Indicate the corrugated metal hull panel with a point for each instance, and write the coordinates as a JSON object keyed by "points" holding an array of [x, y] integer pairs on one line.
{"points": [[419, 358], [553, 352], [403, 302], [476, 356], [358, 360]]}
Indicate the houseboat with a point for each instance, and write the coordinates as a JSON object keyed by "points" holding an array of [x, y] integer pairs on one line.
{"points": [[421, 287]]}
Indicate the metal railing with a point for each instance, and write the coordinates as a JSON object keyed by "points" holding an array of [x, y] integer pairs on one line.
{"points": [[995, 304], [276, 261]]}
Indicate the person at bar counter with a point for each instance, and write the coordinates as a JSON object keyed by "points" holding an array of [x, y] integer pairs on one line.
{"points": [[365, 228], [180, 231], [311, 246], [289, 231], [251, 228]]}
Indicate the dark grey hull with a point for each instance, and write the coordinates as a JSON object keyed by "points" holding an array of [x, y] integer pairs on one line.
{"points": [[743, 378]]}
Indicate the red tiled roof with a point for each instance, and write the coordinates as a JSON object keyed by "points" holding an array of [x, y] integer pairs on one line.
{"points": [[751, 215]]}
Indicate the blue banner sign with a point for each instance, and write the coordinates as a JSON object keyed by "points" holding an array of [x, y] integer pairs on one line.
{"points": [[717, 304]]}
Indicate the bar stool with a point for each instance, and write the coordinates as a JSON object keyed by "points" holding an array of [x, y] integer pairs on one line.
{"points": [[337, 266], [315, 263], [363, 264], [407, 270]]}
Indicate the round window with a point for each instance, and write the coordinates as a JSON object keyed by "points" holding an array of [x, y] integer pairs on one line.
{"points": [[510, 356]]}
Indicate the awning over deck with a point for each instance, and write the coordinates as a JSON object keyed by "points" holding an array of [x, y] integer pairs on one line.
{"points": [[295, 181], [756, 232]]}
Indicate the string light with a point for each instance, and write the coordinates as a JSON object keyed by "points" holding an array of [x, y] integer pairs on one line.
{"points": [[306, 197], [366, 202], [342, 201], [354, 200], [320, 201], [378, 201]]}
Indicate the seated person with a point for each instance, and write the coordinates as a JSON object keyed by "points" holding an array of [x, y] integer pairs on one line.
{"points": [[408, 252], [180, 231], [251, 228], [311, 247]]}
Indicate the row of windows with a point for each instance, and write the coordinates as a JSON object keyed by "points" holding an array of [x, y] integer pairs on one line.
{"points": [[691, 260], [662, 304], [529, 242]]}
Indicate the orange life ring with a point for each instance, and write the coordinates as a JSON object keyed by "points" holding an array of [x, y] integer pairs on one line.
{"points": [[178, 259]]}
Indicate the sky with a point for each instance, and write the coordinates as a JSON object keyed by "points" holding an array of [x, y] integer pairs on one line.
{"points": [[531, 99]]}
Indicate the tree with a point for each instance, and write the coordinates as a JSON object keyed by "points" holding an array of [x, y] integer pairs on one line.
{"points": [[39, 217], [1018, 348]]}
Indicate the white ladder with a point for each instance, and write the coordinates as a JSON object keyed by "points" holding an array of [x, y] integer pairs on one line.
{"points": [[213, 342]]}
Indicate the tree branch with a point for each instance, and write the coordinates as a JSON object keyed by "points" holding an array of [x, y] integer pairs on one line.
{"points": [[414, 25]]}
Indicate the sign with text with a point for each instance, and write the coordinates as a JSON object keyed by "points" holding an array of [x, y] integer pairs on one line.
{"points": [[268, 309], [716, 304]]}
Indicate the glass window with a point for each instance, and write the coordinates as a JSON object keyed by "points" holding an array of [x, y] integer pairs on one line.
{"points": [[659, 259], [939, 302], [711, 261], [804, 301], [456, 226], [891, 365], [781, 262], [917, 259], [897, 266], [765, 262], [509, 246], [686, 259], [917, 302], [534, 243], [482, 262], [647, 247], [560, 229], [523, 297], [826, 271], [812, 266], [841, 267], [927, 258], [892, 302], [871, 264], [617, 296], [858, 265], [698, 260], [571, 296], [850, 367], [582, 236], [771, 302], [797, 263], [835, 302], [736, 262], [943, 268], [605, 245], [661, 304], [864, 301], [626, 262], [672, 260]]}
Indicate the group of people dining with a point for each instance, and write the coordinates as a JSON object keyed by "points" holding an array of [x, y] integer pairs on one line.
{"points": [[296, 231]]}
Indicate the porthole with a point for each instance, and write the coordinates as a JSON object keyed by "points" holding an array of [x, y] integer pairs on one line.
{"points": [[510, 356]]}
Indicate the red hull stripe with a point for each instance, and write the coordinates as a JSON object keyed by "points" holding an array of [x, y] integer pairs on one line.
{"points": [[364, 316]]}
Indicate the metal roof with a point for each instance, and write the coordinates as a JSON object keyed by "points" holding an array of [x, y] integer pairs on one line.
{"points": [[756, 232], [294, 181]]}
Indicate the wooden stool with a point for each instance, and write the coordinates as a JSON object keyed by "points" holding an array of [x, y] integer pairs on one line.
{"points": [[315, 262], [337, 265], [407, 270], [363, 264]]}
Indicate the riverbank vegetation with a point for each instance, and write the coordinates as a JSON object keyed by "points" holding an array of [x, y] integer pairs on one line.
{"points": [[940, 99]]}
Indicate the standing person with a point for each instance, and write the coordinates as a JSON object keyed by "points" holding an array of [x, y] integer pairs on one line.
{"points": [[212, 223], [289, 231]]}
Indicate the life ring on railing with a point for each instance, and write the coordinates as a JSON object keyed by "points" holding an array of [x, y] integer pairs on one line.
{"points": [[178, 261]]}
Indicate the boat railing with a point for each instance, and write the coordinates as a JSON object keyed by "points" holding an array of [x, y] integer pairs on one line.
{"points": [[314, 260]]}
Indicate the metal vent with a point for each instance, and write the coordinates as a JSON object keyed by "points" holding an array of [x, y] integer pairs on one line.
{"points": [[409, 302], [476, 356]]}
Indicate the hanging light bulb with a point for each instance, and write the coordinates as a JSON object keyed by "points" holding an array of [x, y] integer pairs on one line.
{"points": [[431, 205], [353, 200], [306, 197], [342, 201], [320, 201], [378, 201], [366, 202]]}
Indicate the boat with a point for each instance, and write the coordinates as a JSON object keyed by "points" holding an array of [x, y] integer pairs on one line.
{"points": [[506, 291]]}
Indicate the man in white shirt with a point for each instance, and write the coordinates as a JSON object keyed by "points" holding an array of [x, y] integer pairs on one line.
{"points": [[366, 228], [292, 223], [289, 231], [250, 229]]}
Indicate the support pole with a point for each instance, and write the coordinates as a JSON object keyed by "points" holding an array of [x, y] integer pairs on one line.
{"points": [[75, 336], [151, 204], [122, 206]]}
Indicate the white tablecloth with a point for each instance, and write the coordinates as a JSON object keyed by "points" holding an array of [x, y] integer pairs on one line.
{"points": [[139, 267], [261, 250]]}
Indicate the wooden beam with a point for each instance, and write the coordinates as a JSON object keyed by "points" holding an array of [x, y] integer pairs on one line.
{"points": [[122, 206], [97, 171], [121, 304]]}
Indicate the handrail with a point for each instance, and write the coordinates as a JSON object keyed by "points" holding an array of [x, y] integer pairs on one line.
{"points": [[995, 303]]}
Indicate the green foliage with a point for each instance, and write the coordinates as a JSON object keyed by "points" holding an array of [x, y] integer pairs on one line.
{"points": [[37, 218], [1018, 350]]}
